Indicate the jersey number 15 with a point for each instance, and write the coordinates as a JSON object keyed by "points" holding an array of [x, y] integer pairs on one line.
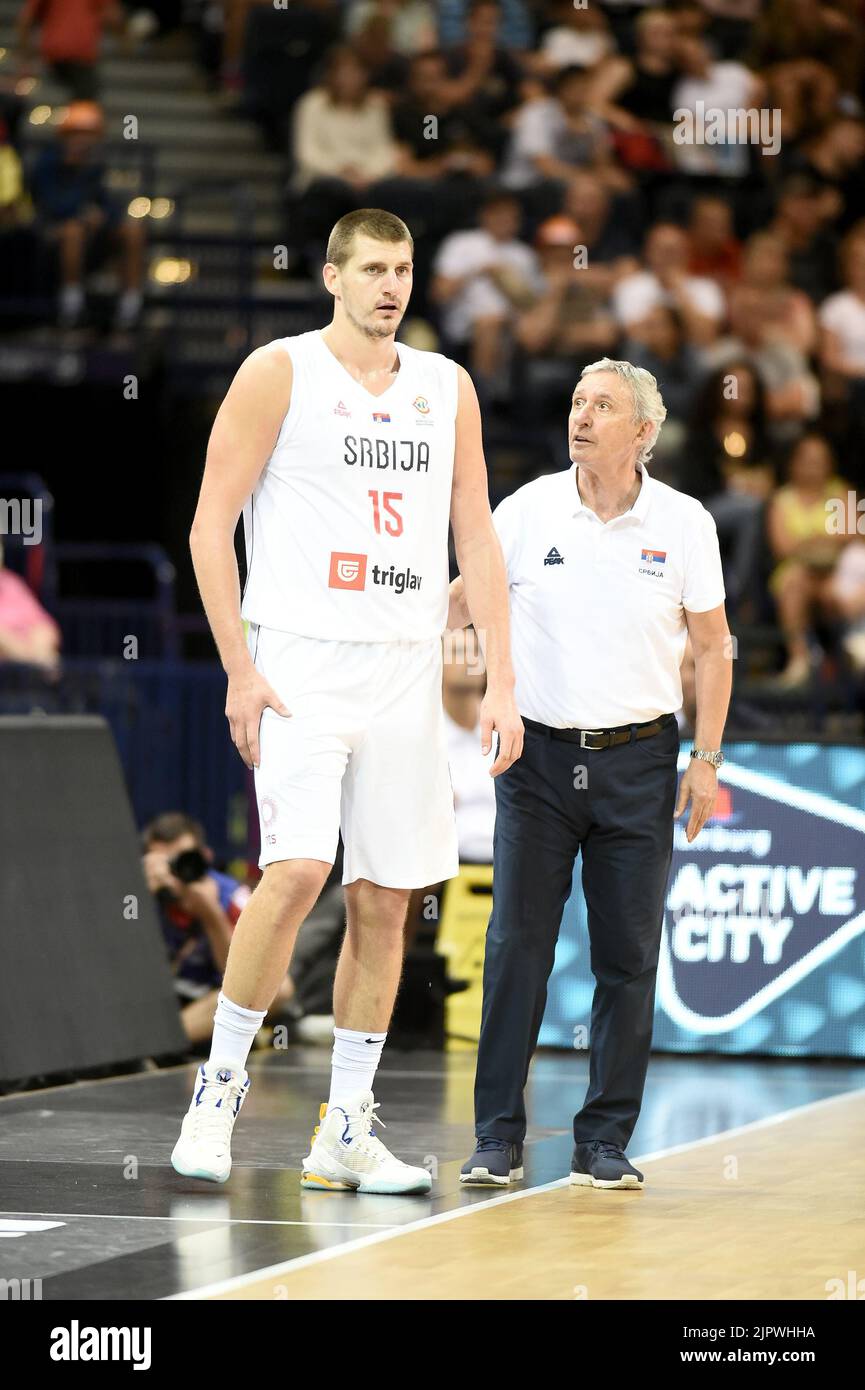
{"points": [[394, 527]]}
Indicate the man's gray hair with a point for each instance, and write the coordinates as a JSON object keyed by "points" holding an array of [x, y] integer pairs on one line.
{"points": [[648, 404]]}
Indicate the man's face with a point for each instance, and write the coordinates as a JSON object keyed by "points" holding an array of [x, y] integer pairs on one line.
{"points": [[586, 197], [426, 78], [693, 55], [602, 431], [666, 249], [657, 35], [501, 220], [374, 285], [812, 463], [803, 211], [483, 23], [572, 94], [659, 330], [711, 224], [78, 145]]}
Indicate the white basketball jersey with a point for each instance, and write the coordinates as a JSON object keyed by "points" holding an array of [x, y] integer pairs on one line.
{"points": [[347, 528]]}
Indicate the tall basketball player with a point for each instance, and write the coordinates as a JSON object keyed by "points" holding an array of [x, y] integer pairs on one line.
{"points": [[348, 453]]}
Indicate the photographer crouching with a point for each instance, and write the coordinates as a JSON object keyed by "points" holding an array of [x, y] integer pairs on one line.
{"points": [[198, 907]]}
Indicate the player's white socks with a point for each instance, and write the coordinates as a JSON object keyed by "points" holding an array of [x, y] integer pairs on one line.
{"points": [[355, 1061], [234, 1030]]}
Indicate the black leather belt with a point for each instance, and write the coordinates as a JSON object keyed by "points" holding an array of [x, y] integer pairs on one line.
{"points": [[602, 738]]}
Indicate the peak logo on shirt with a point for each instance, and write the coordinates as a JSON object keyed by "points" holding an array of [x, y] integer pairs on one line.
{"points": [[347, 571], [554, 558], [340, 409]]}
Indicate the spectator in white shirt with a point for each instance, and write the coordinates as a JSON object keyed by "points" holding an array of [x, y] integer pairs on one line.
{"points": [[555, 135], [342, 143], [580, 38], [411, 23], [342, 128], [699, 301], [842, 315], [481, 280], [712, 87]]}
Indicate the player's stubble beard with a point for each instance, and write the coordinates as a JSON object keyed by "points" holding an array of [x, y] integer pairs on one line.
{"points": [[372, 330]]}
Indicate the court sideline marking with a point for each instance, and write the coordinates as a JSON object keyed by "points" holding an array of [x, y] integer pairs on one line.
{"points": [[199, 1220], [362, 1242]]}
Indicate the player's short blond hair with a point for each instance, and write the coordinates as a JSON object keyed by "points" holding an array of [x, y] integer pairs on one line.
{"points": [[371, 222]]}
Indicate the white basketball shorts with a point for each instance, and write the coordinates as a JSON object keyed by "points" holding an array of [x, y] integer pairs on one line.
{"points": [[364, 751]]}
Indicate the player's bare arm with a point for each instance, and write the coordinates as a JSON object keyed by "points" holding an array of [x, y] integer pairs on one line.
{"points": [[711, 641], [241, 441], [458, 610], [482, 569]]}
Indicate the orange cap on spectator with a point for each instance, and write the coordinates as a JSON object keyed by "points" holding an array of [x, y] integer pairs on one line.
{"points": [[560, 230], [81, 116]]}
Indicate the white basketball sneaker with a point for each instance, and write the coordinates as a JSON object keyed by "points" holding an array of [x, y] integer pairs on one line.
{"points": [[204, 1147], [346, 1153]]}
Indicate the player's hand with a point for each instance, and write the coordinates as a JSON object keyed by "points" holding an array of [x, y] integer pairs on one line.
{"points": [[699, 785], [499, 712], [248, 696]]}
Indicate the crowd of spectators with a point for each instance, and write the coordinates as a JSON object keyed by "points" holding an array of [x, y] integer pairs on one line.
{"points": [[570, 199], [540, 154]]}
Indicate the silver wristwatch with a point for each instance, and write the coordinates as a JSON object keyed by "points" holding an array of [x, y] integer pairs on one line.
{"points": [[715, 759]]}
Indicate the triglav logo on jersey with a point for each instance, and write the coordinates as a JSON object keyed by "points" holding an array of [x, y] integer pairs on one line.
{"points": [[347, 571], [398, 580], [770, 889]]}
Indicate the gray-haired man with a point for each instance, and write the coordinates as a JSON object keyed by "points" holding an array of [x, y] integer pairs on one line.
{"points": [[609, 571]]}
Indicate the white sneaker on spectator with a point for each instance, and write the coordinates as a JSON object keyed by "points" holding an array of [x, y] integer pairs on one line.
{"points": [[345, 1153], [71, 306], [204, 1147], [128, 310]]}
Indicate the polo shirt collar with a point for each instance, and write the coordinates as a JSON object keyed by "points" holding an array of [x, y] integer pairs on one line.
{"points": [[636, 513]]}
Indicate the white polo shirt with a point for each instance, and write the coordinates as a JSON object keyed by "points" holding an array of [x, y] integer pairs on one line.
{"points": [[598, 626]]}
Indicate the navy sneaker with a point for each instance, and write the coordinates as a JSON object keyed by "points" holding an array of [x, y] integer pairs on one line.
{"points": [[494, 1163], [598, 1163]]}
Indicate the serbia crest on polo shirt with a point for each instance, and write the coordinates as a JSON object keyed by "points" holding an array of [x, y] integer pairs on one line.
{"points": [[652, 561]]}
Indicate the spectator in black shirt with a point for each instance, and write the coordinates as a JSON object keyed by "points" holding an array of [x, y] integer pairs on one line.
{"points": [[636, 93], [728, 463], [610, 224], [437, 135], [483, 74], [834, 160], [78, 213], [802, 217], [445, 159]]}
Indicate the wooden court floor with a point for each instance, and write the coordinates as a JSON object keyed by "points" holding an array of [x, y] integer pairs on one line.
{"points": [[773, 1210]]}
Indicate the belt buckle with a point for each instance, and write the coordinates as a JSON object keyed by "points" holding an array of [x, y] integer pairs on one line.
{"points": [[590, 733]]}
